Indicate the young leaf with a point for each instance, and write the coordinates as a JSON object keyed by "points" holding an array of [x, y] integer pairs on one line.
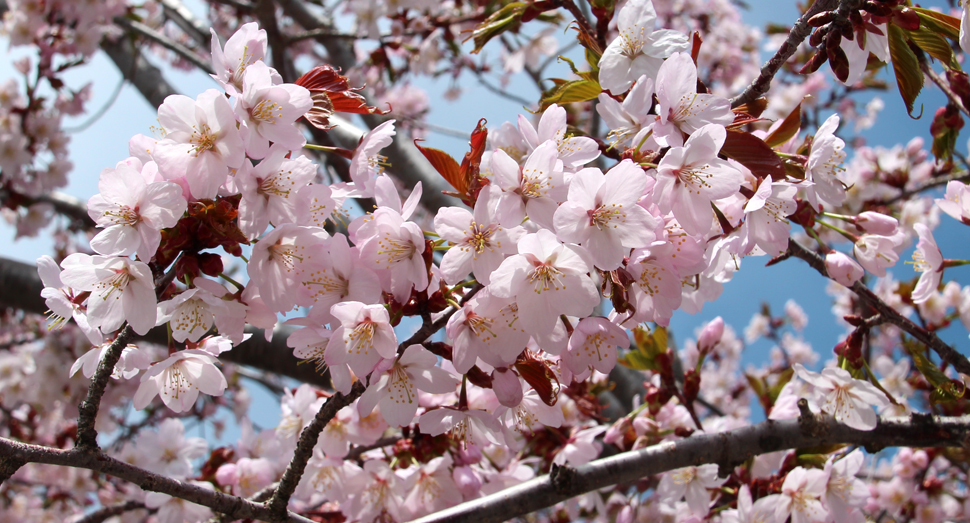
{"points": [[789, 127], [909, 78], [753, 153], [940, 23]]}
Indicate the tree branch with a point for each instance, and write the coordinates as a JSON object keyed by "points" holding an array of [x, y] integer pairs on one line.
{"points": [[87, 436], [889, 314], [728, 449], [304, 448], [102, 514], [164, 41], [798, 33], [233, 506]]}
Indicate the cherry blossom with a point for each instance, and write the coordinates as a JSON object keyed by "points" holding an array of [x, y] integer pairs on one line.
{"points": [[62, 301], [766, 223], [574, 152], [362, 339], [133, 211], [602, 214], [593, 345], [267, 111], [133, 360], [690, 177], [431, 487], [339, 277], [244, 48], [486, 326], [547, 278], [691, 483], [847, 399], [167, 451], [681, 108], [956, 200], [465, 426], [121, 290], [876, 253], [367, 163], [639, 49], [479, 242], [824, 165], [533, 190], [201, 142], [269, 190], [394, 247], [800, 495], [845, 494], [927, 260], [279, 262], [179, 379], [396, 390], [628, 119]]}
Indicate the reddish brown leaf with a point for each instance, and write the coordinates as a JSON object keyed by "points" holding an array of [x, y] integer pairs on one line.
{"points": [[695, 48], [537, 374], [446, 166], [331, 93], [789, 127], [754, 108], [470, 163], [753, 153]]}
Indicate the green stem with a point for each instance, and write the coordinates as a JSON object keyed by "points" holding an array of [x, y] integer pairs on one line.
{"points": [[238, 285], [851, 237]]}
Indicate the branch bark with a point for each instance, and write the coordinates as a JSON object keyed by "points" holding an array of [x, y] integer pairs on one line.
{"points": [[87, 436], [235, 507], [799, 32], [727, 449]]}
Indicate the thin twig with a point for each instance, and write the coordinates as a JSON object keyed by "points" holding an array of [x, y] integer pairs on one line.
{"points": [[799, 32], [103, 513], [87, 436], [889, 314], [304, 448], [941, 83], [165, 42], [934, 182]]}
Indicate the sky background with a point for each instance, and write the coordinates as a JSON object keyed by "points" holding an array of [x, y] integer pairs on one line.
{"points": [[105, 141]]}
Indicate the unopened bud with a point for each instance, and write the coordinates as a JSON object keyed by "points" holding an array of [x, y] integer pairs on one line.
{"points": [[876, 223]]}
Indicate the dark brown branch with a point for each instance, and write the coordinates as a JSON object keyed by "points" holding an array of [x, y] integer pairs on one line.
{"points": [[266, 13], [941, 83], [962, 176], [235, 507], [728, 449], [304, 448], [889, 314], [87, 436], [798, 33]]}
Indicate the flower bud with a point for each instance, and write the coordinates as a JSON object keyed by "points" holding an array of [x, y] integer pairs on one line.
{"points": [[710, 335], [842, 268], [507, 387], [876, 223]]}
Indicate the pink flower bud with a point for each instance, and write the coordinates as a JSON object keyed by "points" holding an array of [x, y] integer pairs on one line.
{"points": [[842, 268], [507, 387], [710, 335], [468, 482], [876, 223]]}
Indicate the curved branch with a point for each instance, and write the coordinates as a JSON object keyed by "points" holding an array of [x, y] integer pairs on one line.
{"points": [[87, 436], [164, 41], [727, 449], [889, 314], [799, 32], [233, 506]]}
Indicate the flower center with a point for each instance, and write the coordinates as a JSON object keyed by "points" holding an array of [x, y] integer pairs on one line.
{"points": [[203, 139], [362, 337], [546, 277], [267, 111]]}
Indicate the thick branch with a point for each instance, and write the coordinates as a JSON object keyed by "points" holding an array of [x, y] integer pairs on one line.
{"points": [[233, 506], [798, 33], [726, 448], [889, 314], [87, 436], [304, 448], [164, 41]]}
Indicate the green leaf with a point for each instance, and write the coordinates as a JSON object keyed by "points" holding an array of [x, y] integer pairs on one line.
{"points": [[497, 23], [909, 78], [939, 23], [935, 45], [574, 91]]}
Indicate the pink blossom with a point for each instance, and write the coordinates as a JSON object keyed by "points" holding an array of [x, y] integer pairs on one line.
{"points": [[190, 314], [581, 447], [847, 399], [766, 223], [279, 262], [533, 190], [479, 242], [121, 290], [956, 200], [244, 48], [690, 177], [928, 261], [876, 253], [167, 451], [626, 120], [269, 190], [367, 163], [876, 223], [341, 276], [61, 300], [431, 487], [179, 379], [465, 426], [246, 476], [133, 360], [574, 152], [593, 344], [845, 494], [133, 211], [395, 248], [639, 49], [824, 164], [171, 509], [656, 291], [843, 269], [486, 326], [547, 279], [268, 112], [602, 214], [201, 141], [364, 337], [396, 390], [800, 495], [682, 110], [692, 483], [873, 40]]}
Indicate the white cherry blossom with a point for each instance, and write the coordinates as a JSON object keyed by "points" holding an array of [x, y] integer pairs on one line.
{"points": [[639, 49], [845, 398]]}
